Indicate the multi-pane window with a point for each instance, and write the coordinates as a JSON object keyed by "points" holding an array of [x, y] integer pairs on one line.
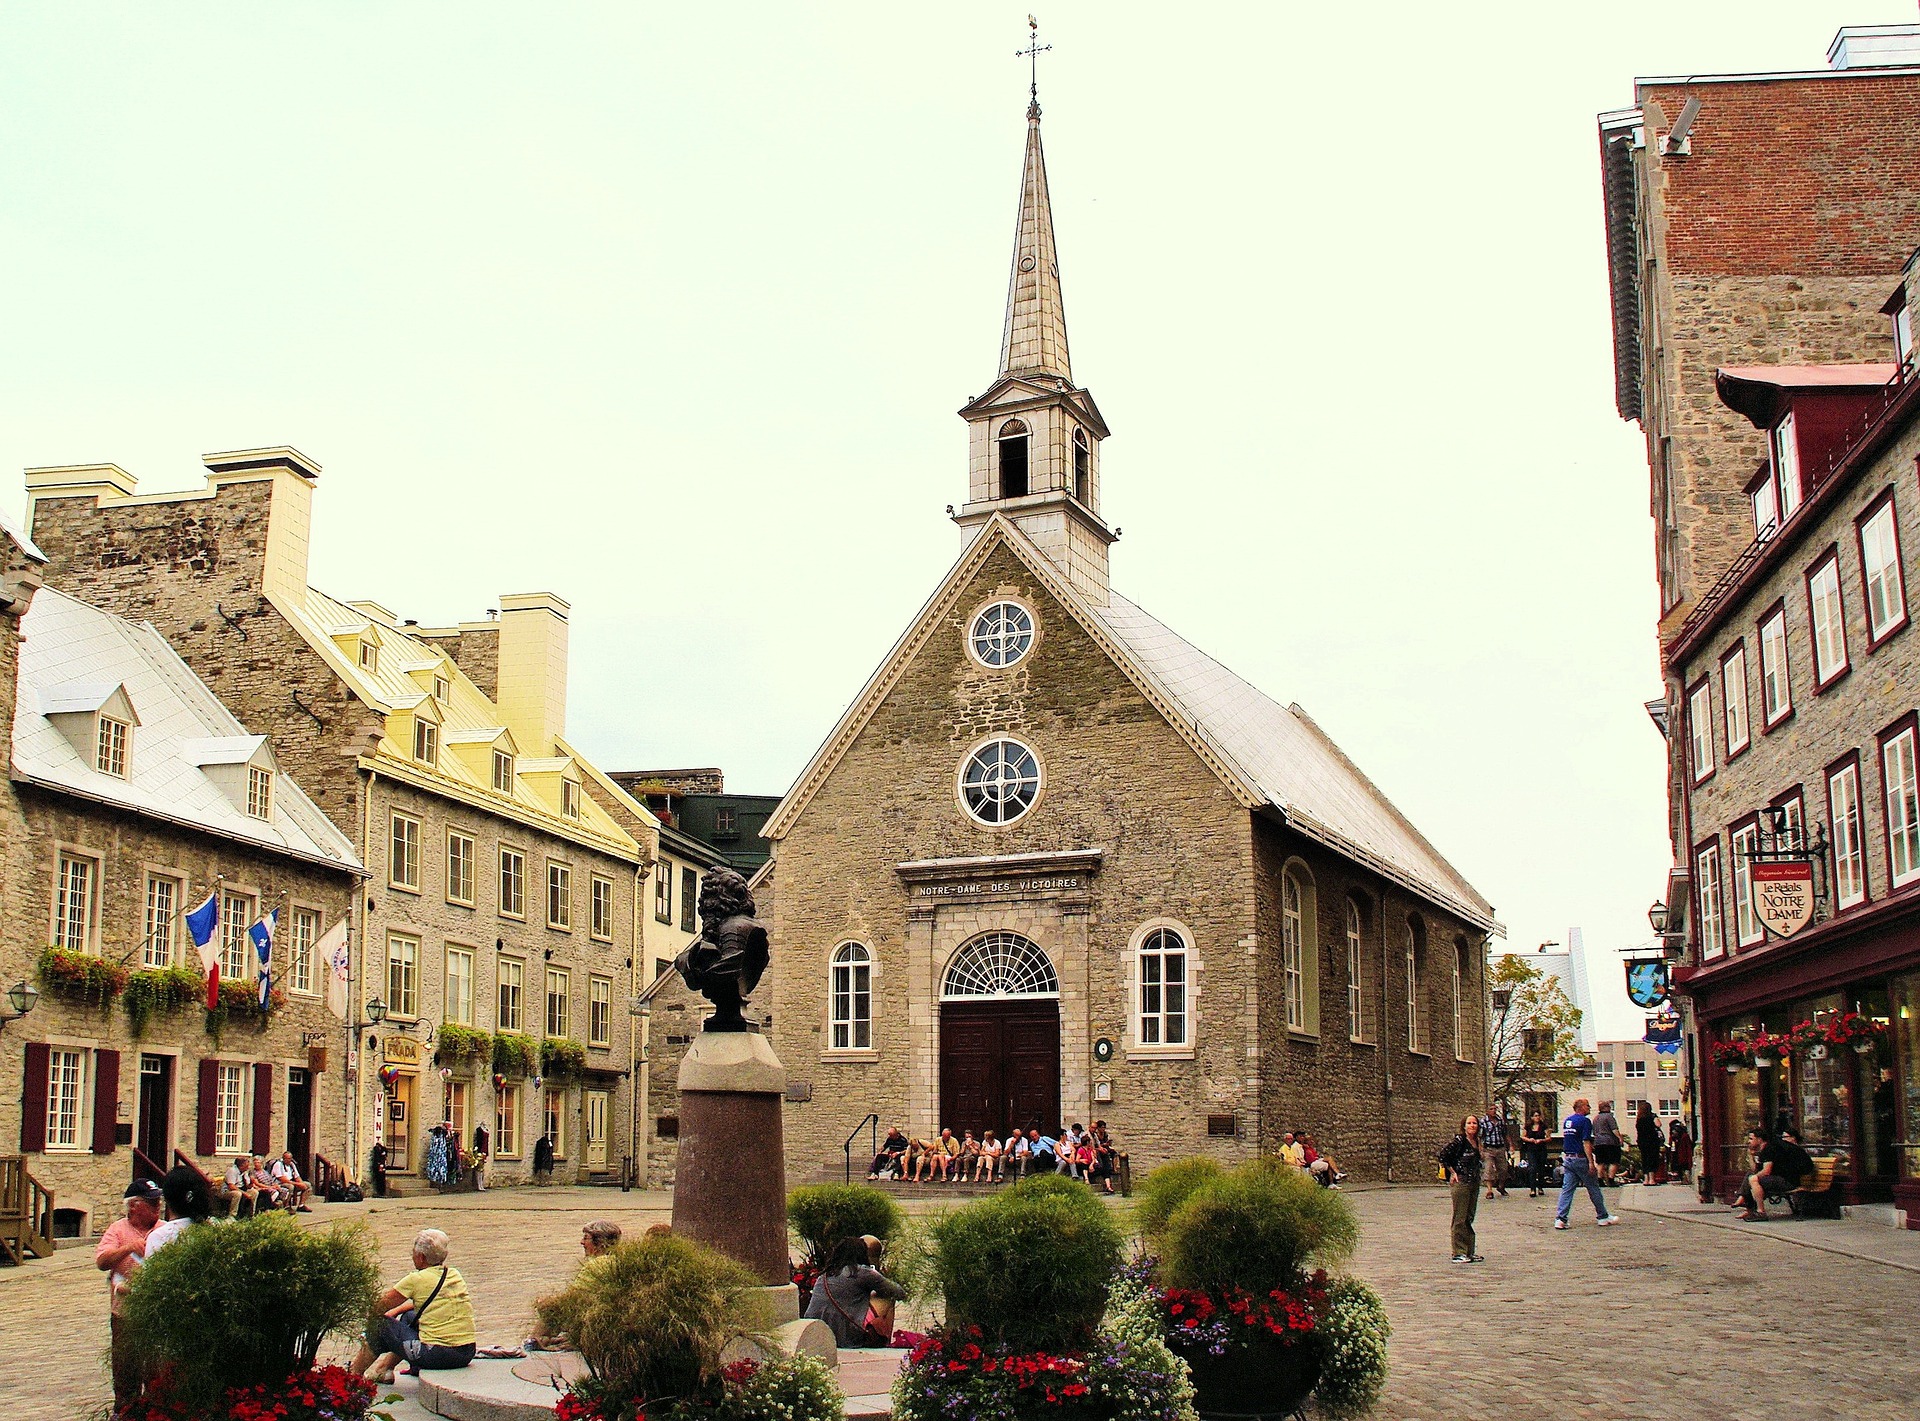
{"points": [[66, 1081], [513, 974], [851, 1016], [725, 821], [1460, 976], [1733, 688], [1604, 1070], [1290, 953], [259, 792], [506, 1123], [229, 1100], [570, 799], [1636, 1070], [513, 883], [1776, 696], [1700, 728], [1356, 1004], [426, 742], [460, 985], [369, 656], [602, 900], [559, 895], [503, 771], [303, 933], [1766, 507], [1001, 634], [1880, 566], [599, 1011], [236, 953], [663, 891], [1903, 806], [456, 1109], [403, 976], [163, 905], [442, 689], [1786, 465], [110, 747], [558, 1017], [1849, 846], [1000, 781], [689, 899], [1669, 1105], [556, 1122], [1829, 621], [1747, 929], [1707, 887], [73, 902], [1416, 995], [460, 861], [1163, 989], [403, 854]]}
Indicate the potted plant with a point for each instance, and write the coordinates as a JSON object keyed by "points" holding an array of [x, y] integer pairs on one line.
{"points": [[821, 1215], [457, 1045], [1857, 1030]]}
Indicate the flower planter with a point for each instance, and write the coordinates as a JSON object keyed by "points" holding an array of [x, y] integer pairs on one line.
{"points": [[1262, 1379]]}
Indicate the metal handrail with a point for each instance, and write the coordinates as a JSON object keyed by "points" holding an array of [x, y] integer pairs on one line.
{"points": [[872, 1119]]}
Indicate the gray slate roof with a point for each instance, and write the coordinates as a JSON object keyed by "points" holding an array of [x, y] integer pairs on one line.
{"points": [[66, 643]]}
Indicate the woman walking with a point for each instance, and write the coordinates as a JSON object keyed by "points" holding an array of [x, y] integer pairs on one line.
{"points": [[1462, 1160], [1533, 1142], [1646, 1132]]}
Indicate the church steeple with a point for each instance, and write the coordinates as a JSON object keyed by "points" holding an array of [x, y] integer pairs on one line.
{"points": [[1034, 436]]}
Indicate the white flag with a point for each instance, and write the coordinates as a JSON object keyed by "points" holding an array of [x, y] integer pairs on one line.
{"points": [[335, 961]]}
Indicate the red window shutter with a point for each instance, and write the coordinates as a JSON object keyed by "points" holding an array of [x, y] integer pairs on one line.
{"points": [[33, 1105], [209, 1089], [263, 1109], [106, 1100]]}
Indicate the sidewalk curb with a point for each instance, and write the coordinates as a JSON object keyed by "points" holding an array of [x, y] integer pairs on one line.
{"points": [[1729, 1226]]}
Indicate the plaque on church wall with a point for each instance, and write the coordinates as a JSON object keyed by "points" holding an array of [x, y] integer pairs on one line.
{"points": [[1223, 1125], [800, 1091]]}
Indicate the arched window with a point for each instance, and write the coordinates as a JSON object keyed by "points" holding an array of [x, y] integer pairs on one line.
{"points": [[1013, 459], [1000, 781], [1001, 634], [1300, 949], [1082, 466], [1416, 987], [851, 1009], [1462, 976], [1000, 965], [1356, 976], [1161, 972]]}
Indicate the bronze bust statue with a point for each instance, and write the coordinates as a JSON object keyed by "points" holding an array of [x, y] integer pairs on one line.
{"points": [[725, 962]]}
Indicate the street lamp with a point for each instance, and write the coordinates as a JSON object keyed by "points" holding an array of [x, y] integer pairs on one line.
{"points": [[22, 996], [376, 1011], [1657, 917]]}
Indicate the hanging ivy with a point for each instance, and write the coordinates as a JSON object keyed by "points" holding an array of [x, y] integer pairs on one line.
{"points": [[158, 989], [561, 1060], [514, 1054]]}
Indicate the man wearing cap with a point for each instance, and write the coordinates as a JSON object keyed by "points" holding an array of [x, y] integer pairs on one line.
{"points": [[123, 1248]]}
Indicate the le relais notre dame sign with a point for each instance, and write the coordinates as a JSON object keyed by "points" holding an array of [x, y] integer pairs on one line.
{"points": [[1782, 895]]}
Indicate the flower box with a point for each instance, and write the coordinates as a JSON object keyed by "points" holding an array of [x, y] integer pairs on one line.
{"points": [[82, 975]]}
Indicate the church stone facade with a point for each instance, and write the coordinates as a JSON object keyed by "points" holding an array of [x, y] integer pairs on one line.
{"points": [[1055, 864]]}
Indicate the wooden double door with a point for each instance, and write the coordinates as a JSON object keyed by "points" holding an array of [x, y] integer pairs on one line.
{"points": [[1000, 1065]]}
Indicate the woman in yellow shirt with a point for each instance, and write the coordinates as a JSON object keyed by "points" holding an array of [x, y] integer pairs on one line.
{"points": [[427, 1317]]}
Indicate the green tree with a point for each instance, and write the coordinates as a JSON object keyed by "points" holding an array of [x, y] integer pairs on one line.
{"points": [[1536, 1032]]}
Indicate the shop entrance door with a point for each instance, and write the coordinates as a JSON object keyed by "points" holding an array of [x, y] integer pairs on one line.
{"points": [[155, 1137], [597, 1131], [399, 1127], [300, 1119], [1000, 1065]]}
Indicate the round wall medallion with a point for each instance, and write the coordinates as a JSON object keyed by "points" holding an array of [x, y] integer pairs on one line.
{"points": [[1103, 1050], [1027, 263]]}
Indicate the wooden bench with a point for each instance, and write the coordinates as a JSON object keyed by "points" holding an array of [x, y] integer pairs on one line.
{"points": [[1816, 1197]]}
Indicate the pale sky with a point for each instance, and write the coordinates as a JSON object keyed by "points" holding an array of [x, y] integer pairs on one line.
{"points": [[668, 309]]}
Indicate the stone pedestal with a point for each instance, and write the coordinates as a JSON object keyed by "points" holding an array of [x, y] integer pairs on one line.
{"points": [[729, 1188]]}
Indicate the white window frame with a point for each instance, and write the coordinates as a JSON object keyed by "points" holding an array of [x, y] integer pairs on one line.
{"points": [[1765, 503], [1291, 953], [1733, 696], [1786, 467], [403, 852], [76, 900], [161, 933], [1001, 634], [403, 976], [1356, 1000], [850, 998], [569, 799], [559, 1002], [506, 1122], [600, 926], [462, 866], [113, 739], [1713, 927], [1776, 676], [1005, 775], [513, 883], [459, 986], [510, 996], [1636, 1070], [1459, 1002], [559, 895], [259, 793], [1416, 1037], [1745, 841], [442, 688], [1847, 827], [663, 891], [69, 1091], [1700, 729], [231, 1081], [1162, 964], [1827, 617], [303, 931], [502, 772], [1902, 806], [236, 949], [369, 657], [426, 741], [1882, 577], [599, 1011]]}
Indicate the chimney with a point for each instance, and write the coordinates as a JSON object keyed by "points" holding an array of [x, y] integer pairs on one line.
{"points": [[1875, 47], [533, 669], [290, 519]]}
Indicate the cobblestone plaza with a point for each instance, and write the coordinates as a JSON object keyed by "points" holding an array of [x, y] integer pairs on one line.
{"points": [[1662, 1317]]}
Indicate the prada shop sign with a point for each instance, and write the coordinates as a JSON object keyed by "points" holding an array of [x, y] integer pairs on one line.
{"points": [[980, 888], [400, 1048]]}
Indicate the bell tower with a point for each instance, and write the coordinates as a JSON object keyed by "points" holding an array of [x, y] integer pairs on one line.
{"points": [[1034, 437]]}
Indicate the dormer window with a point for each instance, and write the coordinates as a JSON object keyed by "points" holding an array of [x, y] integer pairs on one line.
{"points": [[725, 824], [1082, 466], [259, 793], [503, 771], [110, 747], [426, 742], [1013, 459], [570, 799], [369, 657], [1902, 327], [1766, 507], [442, 688], [1786, 465]]}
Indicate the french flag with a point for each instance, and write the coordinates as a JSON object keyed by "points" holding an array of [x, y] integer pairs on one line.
{"points": [[203, 922]]}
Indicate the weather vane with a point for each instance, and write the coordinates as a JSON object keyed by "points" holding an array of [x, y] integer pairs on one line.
{"points": [[1032, 54]]}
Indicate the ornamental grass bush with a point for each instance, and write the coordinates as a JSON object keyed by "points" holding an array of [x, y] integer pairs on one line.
{"points": [[1166, 1189], [649, 1318], [248, 1304], [1029, 1267], [821, 1215], [1258, 1227]]}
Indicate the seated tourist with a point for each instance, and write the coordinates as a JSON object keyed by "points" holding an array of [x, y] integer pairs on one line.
{"points": [[427, 1317], [988, 1165], [1779, 1166], [891, 1161], [1324, 1171], [286, 1174], [1018, 1155], [238, 1186], [919, 1160], [844, 1297], [1105, 1156], [1291, 1150], [946, 1152], [269, 1193], [968, 1160], [1043, 1148]]}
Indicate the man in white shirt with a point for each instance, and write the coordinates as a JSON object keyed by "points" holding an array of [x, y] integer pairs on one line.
{"points": [[286, 1174], [240, 1186]]}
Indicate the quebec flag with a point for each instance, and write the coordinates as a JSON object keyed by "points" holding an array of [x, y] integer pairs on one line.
{"points": [[261, 935]]}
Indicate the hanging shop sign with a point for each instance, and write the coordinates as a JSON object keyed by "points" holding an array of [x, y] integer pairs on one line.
{"points": [[1663, 1032], [1648, 979], [1782, 894]]}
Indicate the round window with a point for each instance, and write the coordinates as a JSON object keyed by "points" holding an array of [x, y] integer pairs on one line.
{"points": [[1001, 634], [1000, 781]]}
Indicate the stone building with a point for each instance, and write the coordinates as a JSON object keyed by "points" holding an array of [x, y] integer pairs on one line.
{"points": [[132, 796], [505, 889], [1056, 864], [1799, 744]]}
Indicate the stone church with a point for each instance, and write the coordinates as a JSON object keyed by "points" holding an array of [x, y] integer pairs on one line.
{"points": [[1056, 864]]}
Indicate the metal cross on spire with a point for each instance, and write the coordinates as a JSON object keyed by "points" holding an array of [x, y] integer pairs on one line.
{"points": [[1032, 54]]}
